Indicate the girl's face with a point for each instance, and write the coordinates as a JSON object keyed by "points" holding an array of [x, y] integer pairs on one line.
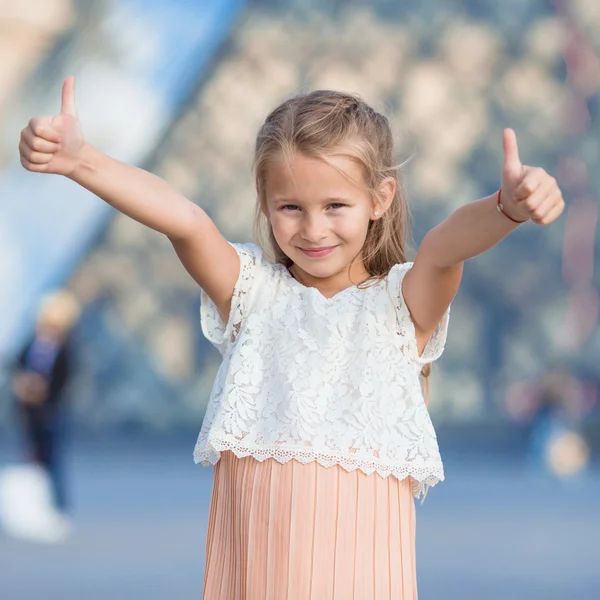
{"points": [[320, 216]]}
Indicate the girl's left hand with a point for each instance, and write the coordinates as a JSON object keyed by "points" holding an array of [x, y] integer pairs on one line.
{"points": [[528, 192]]}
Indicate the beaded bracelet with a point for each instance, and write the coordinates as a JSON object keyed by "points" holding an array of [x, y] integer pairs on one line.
{"points": [[500, 208]]}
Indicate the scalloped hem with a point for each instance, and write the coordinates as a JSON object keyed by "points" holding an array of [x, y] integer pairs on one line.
{"points": [[421, 479]]}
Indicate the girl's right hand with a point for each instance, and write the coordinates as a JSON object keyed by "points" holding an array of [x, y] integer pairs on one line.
{"points": [[54, 144]]}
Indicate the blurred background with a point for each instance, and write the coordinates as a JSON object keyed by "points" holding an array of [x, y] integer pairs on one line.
{"points": [[181, 87]]}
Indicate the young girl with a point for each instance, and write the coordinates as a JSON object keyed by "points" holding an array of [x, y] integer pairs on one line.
{"points": [[317, 425]]}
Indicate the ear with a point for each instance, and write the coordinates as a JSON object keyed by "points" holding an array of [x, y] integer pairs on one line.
{"points": [[385, 192]]}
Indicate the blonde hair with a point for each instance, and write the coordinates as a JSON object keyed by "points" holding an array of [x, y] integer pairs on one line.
{"points": [[320, 124]]}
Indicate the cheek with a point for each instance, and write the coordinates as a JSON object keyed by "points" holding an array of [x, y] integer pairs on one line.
{"points": [[278, 223], [354, 226], [283, 228]]}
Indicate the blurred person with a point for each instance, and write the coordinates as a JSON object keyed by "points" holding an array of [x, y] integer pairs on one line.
{"points": [[317, 424], [43, 370], [556, 441], [552, 410]]}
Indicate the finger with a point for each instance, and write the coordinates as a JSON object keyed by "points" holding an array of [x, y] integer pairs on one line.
{"points": [[532, 179], [542, 201], [558, 206], [37, 143], [32, 166], [67, 106], [512, 162], [550, 209], [540, 204], [40, 127], [38, 158]]}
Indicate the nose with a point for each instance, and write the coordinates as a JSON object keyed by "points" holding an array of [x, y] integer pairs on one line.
{"points": [[314, 228]]}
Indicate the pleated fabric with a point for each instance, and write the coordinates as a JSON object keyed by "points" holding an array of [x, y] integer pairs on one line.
{"points": [[306, 532]]}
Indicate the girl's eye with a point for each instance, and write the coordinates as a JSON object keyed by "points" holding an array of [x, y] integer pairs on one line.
{"points": [[293, 207]]}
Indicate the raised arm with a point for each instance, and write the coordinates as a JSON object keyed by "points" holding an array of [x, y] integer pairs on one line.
{"points": [[56, 145], [528, 193]]}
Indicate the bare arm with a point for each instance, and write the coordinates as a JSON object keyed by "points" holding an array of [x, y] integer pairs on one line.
{"points": [[150, 200], [467, 232], [432, 283], [136, 193], [56, 145]]}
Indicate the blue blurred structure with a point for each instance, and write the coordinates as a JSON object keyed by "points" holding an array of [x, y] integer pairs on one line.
{"points": [[49, 224]]}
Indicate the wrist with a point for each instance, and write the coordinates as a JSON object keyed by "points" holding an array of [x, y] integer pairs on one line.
{"points": [[509, 211], [84, 163]]}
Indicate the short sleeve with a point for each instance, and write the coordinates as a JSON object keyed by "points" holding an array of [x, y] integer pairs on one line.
{"points": [[215, 330], [436, 343]]}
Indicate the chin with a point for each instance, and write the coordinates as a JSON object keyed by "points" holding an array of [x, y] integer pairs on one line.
{"points": [[321, 269]]}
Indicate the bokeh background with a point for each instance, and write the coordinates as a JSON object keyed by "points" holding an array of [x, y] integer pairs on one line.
{"points": [[180, 87]]}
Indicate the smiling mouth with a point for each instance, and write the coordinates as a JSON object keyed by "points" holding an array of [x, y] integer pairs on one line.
{"points": [[318, 252]]}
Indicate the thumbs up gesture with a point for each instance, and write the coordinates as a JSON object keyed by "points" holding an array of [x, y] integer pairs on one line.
{"points": [[54, 144], [528, 192]]}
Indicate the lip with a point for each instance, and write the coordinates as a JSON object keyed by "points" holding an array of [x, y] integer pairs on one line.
{"points": [[318, 252]]}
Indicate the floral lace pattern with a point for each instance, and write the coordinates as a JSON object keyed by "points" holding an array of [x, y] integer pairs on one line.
{"points": [[307, 377]]}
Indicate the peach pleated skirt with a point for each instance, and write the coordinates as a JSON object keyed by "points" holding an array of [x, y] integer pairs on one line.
{"points": [[306, 532]]}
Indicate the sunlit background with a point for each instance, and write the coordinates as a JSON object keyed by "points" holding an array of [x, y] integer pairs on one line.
{"points": [[180, 87]]}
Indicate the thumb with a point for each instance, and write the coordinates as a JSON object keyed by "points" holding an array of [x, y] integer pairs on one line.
{"points": [[512, 163], [67, 106]]}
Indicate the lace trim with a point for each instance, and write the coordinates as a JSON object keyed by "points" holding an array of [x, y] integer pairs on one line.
{"points": [[421, 478]]}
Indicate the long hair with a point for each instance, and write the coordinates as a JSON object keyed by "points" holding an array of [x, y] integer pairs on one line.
{"points": [[319, 124]]}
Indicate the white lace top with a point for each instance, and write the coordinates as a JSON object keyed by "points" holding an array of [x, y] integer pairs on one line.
{"points": [[334, 380]]}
